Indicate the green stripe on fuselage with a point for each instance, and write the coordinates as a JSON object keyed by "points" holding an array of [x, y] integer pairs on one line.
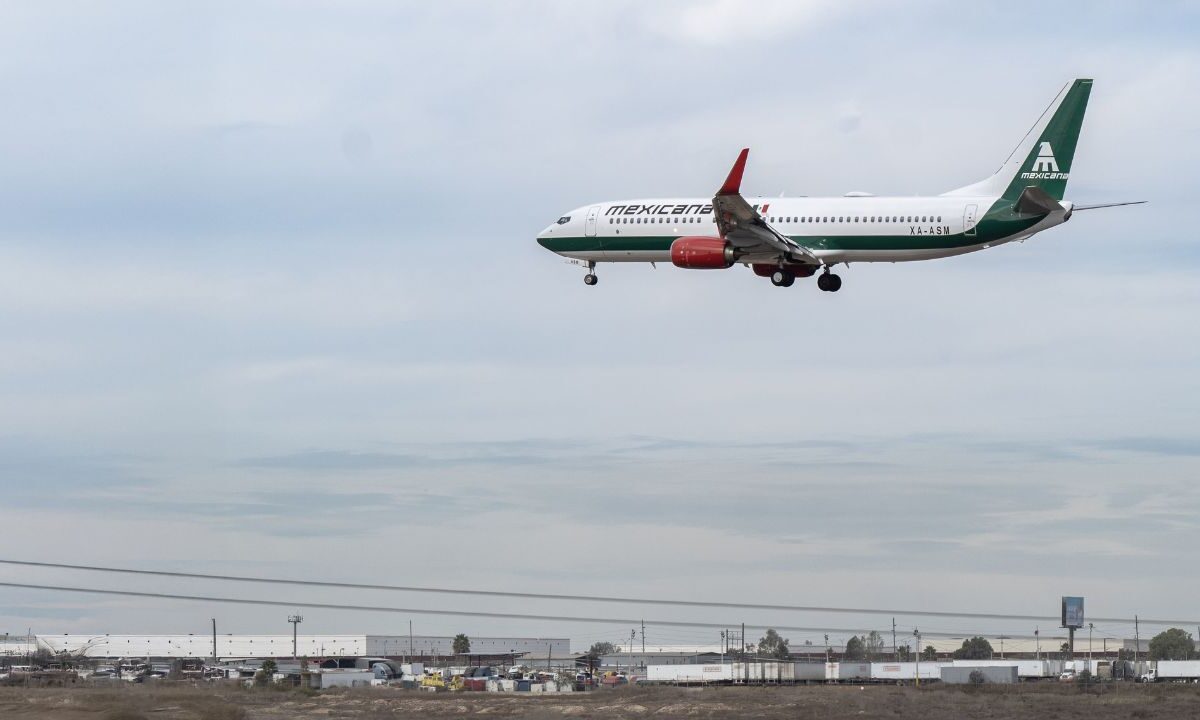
{"points": [[998, 223]]}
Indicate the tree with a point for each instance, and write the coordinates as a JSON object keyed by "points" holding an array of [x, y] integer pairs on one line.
{"points": [[856, 649], [929, 653], [975, 648], [874, 643], [266, 672], [1172, 644], [462, 644], [600, 649], [773, 646], [904, 653]]}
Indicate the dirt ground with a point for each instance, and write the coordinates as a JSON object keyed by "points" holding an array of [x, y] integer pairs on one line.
{"points": [[208, 702]]}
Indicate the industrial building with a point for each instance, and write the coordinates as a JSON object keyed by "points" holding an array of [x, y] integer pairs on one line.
{"points": [[232, 646]]}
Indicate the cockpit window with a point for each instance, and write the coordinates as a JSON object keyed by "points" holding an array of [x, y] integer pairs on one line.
{"points": [[564, 220]]}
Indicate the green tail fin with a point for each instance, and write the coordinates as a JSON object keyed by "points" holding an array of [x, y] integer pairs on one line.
{"points": [[1043, 159], [1047, 164]]}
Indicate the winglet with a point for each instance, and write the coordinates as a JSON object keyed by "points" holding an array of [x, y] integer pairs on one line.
{"points": [[733, 183]]}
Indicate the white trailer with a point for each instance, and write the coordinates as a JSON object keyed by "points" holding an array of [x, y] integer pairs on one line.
{"points": [[1173, 671], [764, 672], [847, 671], [1026, 669], [905, 671], [689, 674], [809, 672]]}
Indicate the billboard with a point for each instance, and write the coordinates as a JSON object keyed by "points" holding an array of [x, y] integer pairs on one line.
{"points": [[1072, 612]]}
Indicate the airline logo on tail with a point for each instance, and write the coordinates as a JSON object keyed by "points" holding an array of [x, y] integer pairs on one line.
{"points": [[1045, 167]]}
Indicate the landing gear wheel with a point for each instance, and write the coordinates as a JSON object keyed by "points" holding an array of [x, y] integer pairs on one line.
{"points": [[590, 279], [781, 278], [829, 282]]}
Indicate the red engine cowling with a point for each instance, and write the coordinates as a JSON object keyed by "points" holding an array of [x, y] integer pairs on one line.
{"points": [[702, 253]]}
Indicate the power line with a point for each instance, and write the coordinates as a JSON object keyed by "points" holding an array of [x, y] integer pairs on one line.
{"points": [[424, 611], [575, 598]]}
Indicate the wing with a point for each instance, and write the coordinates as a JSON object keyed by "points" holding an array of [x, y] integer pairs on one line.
{"points": [[740, 224], [1104, 205]]}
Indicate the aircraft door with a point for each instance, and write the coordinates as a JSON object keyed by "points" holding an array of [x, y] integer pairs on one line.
{"points": [[589, 225], [969, 220]]}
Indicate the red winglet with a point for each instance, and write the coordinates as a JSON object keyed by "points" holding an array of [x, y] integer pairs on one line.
{"points": [[733, 183]]}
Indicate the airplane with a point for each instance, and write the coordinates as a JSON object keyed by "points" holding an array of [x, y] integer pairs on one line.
{"points": [[787, 238]]}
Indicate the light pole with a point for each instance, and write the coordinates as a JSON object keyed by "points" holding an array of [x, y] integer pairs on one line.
{"points": [[295, 620], [1037, 639]]}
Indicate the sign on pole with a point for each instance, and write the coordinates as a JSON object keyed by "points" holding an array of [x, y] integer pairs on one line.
{"points": [[1072, 612]]}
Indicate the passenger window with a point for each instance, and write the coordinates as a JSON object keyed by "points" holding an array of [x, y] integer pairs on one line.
{"points": [[939, 218]]}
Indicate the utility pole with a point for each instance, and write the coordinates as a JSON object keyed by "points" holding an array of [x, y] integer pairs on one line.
{"points": [[917, 674], [643, 640], [724, 646], [633, 636], [895, 652], [1002, 639], [214, 641], [1090, 626], [1037, 639], [828, 649], [410, 647], [1137, 641], [295, 620]]}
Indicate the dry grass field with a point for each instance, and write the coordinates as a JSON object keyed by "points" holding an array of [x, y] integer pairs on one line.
{"points": [[208, 702]]}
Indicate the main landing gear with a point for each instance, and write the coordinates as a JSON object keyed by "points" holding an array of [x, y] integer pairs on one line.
{"points": [[590, 278], [829, 282], [782, 278]]}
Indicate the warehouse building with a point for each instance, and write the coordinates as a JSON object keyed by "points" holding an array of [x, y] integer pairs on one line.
{"points": [[420, 647]]}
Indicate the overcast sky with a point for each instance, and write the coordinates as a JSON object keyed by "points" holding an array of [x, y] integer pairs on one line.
{"points": [[270, 302]]}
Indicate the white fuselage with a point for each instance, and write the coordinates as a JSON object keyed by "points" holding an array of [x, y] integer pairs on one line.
{"points": [[836, 229]]}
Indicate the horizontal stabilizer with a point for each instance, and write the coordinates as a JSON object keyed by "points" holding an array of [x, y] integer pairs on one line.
{"points": [[1036, 201], [1097, 206]]}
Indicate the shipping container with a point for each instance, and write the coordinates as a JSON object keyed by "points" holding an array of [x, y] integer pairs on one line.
{"points": [[992, 674]]}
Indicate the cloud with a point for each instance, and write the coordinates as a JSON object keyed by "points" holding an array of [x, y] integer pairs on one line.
{"points": [[727, 23]]}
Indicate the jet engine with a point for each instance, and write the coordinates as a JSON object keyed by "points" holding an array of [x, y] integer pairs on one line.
{"points": [[702, 253]]}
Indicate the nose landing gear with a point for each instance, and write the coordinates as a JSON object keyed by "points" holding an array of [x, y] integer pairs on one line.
{"points": [[590, 278]]}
